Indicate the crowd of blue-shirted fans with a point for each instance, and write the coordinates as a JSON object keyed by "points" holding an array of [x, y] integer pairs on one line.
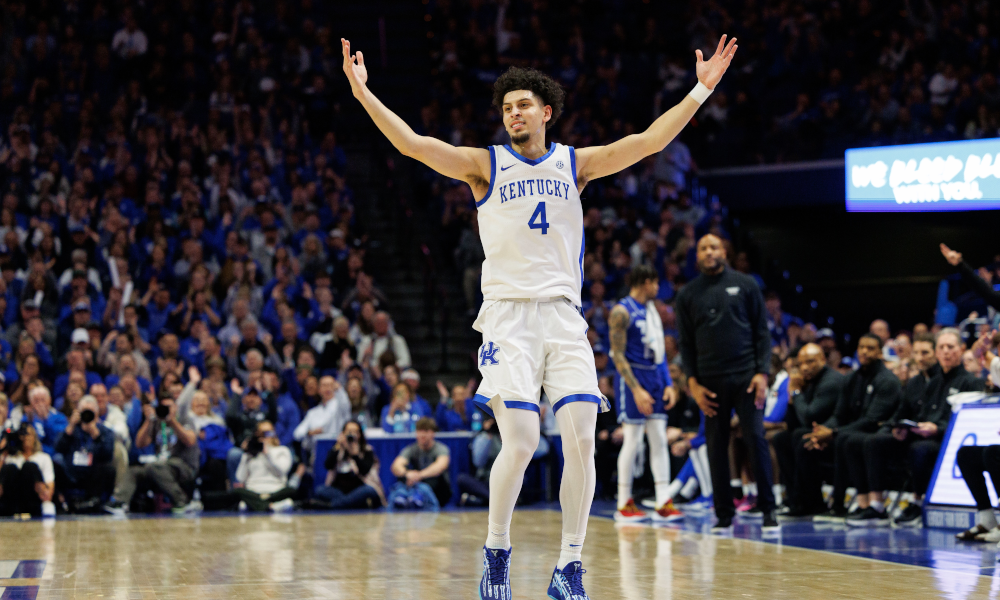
{"points": [[186, 304]]}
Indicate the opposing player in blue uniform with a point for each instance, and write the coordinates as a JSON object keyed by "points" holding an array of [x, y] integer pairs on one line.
{"points": [[531, 222], [644, 393]]}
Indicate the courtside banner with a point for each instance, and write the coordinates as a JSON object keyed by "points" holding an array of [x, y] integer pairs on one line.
{"points": [[924, 177]]}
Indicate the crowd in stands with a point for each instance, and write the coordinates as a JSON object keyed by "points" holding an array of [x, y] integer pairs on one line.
{"points": [[185, 302], [813, 77], [186, 305]]}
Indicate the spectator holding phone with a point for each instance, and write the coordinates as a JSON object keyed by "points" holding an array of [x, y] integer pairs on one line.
{"points": [[352, 468]]}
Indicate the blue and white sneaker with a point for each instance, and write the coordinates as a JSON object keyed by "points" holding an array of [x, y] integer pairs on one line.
{"points": [[496, 575], [568, 583]]}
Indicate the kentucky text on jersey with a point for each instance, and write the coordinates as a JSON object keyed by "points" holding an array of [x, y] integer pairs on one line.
{"points": [[534, 187]]}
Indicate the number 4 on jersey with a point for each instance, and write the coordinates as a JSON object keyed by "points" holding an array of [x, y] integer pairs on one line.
{"points": [[537, 220]]}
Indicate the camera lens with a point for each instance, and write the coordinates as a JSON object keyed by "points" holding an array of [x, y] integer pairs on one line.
{"points": [[87, 415], [162, 411], [352, 438]]}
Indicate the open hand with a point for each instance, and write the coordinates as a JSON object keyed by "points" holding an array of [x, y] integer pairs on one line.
{"points": [[710, 71], [953, 258], [356, 72]]}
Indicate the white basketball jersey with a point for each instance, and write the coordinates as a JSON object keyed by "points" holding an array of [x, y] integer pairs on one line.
{"points": [[531, 224]]}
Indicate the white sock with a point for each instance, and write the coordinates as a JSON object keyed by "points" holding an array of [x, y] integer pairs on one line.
{"points": [[779, 492], [752, 488], [499, 536], [878, 505], [570, 550], [699, 458], [659, 459], [674, 488], [577, 424], [689, 489], [626, 459], [986, 518]]}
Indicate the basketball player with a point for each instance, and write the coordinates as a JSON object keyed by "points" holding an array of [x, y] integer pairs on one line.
{"points": [[531, 223], [645, 393]]}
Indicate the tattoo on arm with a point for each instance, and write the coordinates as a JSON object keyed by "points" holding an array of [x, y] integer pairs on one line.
{"points": [[618, 325]]}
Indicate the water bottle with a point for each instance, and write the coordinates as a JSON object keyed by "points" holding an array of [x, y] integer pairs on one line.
{"points": [[363, 421], [413, 422], [398, 425], [477, 422]]}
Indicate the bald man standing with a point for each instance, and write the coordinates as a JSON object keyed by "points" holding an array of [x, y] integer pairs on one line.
{"points": [[726, 354], [814, 390]]}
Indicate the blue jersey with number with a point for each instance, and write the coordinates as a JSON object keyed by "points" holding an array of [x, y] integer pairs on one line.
{"points": [[531, 225], [638, 347]]}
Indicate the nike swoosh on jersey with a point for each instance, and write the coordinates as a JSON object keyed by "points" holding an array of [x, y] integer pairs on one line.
{"points": [[505, 168]]}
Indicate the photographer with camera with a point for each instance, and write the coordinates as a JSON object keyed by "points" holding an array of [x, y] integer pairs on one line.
{"points": [[84, 456], [352, 468], [244, 416], [262, 474], [27, 478], [175, 458]]}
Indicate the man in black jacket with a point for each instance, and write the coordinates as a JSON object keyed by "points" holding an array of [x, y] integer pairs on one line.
{"points": [[813, 396], [726, 354], [870, 396], [900, 441]]}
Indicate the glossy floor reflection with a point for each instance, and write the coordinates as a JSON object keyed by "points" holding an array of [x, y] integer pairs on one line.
{"points": [[428, 556]]}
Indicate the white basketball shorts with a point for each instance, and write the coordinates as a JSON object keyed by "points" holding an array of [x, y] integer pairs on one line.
{"points": [[532, 344]]}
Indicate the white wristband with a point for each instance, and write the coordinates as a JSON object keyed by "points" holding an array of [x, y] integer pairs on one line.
{"points": [[700, 93]]}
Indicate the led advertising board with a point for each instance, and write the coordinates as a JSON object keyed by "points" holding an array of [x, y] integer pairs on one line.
{"points": [[924, 177], [973, 425]]}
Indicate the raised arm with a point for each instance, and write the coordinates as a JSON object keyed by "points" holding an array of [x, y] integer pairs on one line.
{"points": [[471, 165], [600, 161]]}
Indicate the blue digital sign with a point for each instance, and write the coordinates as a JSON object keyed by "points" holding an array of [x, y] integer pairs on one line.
{"points": [[924, 177]]}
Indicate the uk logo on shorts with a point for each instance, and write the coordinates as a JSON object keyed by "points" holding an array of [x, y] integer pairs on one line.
{"points": [[488, 354]]}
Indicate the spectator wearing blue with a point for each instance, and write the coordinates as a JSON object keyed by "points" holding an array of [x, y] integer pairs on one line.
{"points": [[159, 309], [76, 360], [124, 367], [411, 378], [48, 423], [288, 414], [352, 473], [454, 412], [213, 436], [777, 320], [84, 457], [422, 470], [402, 413]]}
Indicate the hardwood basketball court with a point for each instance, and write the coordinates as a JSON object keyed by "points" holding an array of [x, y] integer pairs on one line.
{"points": [[437, 557]]}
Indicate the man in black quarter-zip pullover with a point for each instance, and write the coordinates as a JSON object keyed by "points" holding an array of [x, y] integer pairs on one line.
{"points": [[726, 353], [898, 441]]}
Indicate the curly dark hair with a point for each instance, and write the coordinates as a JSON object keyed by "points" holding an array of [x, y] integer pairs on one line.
{"points": [[540, 84]]}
